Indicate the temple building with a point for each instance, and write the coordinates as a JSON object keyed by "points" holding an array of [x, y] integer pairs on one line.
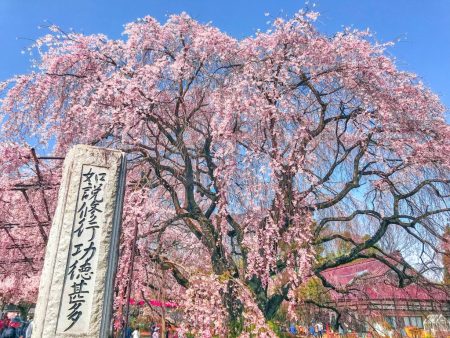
{"points": [[372, 299]]}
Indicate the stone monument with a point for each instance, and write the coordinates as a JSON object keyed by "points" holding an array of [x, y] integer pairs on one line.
{"points": [[76, 287]]}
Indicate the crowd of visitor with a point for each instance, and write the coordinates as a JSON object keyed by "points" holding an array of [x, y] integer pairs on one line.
{"points": [[15, 327], [154, 331], [314, 330]]}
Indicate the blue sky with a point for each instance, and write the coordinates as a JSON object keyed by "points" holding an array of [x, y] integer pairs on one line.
{"points": [[422, 26]]}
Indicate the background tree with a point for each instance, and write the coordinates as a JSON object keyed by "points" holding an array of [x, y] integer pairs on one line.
{"points": [[243, 155]]}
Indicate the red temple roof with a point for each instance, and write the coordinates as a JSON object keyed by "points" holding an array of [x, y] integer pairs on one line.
{"points": [[372, 280]]}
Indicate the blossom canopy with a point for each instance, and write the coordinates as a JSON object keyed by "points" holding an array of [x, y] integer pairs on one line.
{"points": [[248, 161]]}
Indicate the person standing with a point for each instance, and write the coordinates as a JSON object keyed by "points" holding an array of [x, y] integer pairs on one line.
{"points": [[156, 333], [293, 329], [13, 330], [319, 329], [135, 333], [29, 330], [152, 328], [5, 321], [22, 327]]}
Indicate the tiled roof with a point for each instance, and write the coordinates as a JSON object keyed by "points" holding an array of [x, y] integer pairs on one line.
{"points": [[371, 279]]}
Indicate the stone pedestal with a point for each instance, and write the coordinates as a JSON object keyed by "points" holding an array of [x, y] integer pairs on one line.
{"points": [[76, 288]]}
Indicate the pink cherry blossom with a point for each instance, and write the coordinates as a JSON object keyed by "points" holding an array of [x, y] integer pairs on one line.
{"points": [[248, 160]]}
